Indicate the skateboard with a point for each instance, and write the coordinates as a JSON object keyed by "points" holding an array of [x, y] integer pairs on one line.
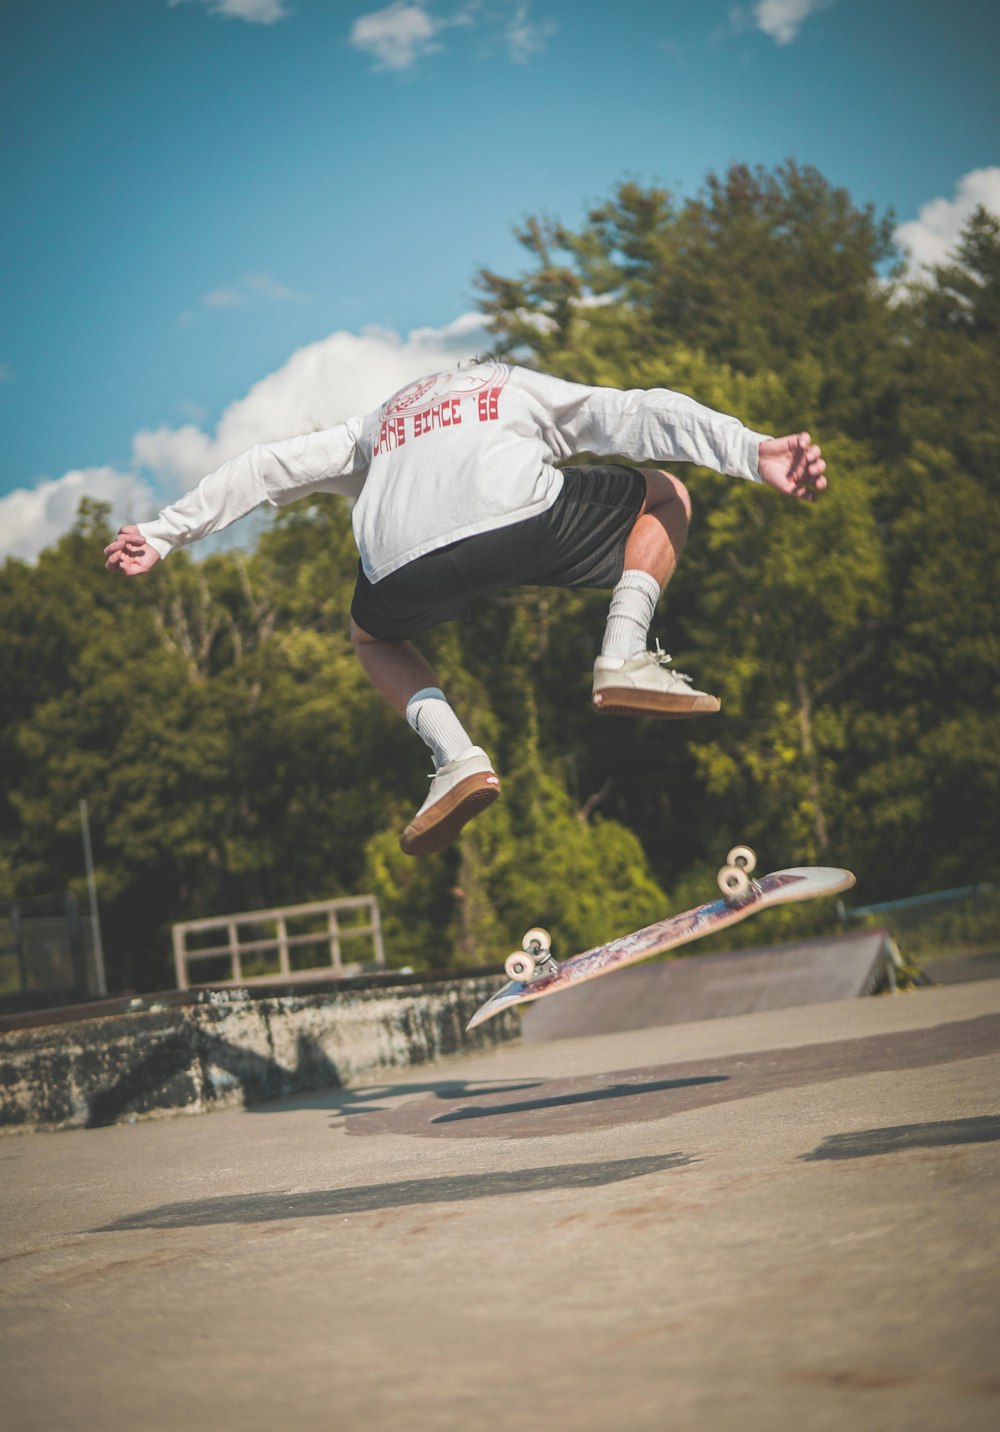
{"points": [[534, 972]]}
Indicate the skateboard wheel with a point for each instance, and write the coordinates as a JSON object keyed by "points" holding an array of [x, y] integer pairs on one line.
{"points": [[743, 857], [537, 941], [520, 965], [734, 883]]}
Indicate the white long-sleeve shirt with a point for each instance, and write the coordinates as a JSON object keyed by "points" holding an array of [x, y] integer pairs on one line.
{"points": [[455, 454]]}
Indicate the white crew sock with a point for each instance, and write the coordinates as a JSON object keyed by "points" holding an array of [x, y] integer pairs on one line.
{"points": [[436, 724], [633, 602]]}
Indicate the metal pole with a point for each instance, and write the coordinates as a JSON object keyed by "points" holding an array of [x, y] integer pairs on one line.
{"points": [[95, 919]]}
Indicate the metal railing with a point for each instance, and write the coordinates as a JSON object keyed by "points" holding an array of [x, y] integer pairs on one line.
{"points": [[961, 920], [251, 959]]}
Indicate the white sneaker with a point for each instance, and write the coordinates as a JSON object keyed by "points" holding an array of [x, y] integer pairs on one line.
{"points": [[459, 791], [644, 685]]}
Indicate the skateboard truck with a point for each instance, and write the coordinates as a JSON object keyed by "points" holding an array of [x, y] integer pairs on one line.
{"points": [[533, 959], [734, 877]]}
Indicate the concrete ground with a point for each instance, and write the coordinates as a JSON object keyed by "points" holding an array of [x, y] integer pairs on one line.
{"points": [[784, 1220]]}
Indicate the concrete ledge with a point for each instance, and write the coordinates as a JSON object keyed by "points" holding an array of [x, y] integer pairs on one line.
{"points": [[231, 1050]]}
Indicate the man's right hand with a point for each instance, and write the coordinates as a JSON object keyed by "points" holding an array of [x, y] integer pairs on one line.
{"points": [[130, 553]]}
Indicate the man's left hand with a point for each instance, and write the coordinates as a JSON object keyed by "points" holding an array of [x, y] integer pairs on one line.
{"points": [[794, 465]]}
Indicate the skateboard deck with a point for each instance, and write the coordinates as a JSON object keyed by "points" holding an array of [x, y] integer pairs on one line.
{"points": [[803, 882]]}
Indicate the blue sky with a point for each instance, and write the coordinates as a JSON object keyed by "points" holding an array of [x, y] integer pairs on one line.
{"points": [[227, 220]]}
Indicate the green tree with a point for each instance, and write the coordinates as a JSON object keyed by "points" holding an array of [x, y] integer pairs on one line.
{"points": [[233, 756], [929, 736], [792, 607], [949, 353], [763, 271]]}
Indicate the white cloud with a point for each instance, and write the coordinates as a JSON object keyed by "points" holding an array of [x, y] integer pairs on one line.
{"points": [[268, 287], [252, 287], [223, 298], [931, 237], [255, 12], [783, 19], [341, 376], [401, 34], [526, 37], [33, 518], [397, 36]]}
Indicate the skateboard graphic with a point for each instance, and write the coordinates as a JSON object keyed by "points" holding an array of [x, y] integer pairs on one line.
{"points": [[534, 972]]}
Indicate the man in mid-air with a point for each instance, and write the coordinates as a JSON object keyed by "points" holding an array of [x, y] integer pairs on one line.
{"points": [[457, 493]]}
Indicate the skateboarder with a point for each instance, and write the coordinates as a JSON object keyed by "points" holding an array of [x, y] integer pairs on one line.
{"points": [[457, 493]]}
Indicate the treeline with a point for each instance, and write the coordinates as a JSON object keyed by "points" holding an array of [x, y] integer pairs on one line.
{"points": [[233, 756]]}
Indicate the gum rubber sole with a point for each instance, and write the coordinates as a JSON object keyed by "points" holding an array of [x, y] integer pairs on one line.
{"points": [[628, 701], [437, 828]]}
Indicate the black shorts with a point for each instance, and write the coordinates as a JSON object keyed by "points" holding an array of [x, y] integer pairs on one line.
{"points": [[577, 542]]}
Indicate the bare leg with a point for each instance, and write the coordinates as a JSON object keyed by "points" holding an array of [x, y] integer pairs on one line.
{"points": [[465, 782], [657, 539], [628, 679], [395, 668]]}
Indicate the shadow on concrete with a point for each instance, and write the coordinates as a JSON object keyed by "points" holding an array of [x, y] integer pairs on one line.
{"points": [[583, 1103], [338, 1202], [345, 1102], [185, 1068], [867, 1142], [588, 1096]]}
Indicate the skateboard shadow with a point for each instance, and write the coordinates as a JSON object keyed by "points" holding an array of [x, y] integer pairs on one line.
{"points": [[340, 1202], [586, 1096]]}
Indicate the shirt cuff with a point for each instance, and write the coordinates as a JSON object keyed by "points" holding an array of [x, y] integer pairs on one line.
{"points": [[754, 440], [161, 545]]}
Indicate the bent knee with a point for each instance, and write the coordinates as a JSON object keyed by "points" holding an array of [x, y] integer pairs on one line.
{"points": [[662, 488]]}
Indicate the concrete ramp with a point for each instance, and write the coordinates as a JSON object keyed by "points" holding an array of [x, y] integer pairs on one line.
{"points": [[695, 987]]}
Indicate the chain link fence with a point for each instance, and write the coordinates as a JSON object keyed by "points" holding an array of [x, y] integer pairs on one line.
{"points": [[48, 954]]}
